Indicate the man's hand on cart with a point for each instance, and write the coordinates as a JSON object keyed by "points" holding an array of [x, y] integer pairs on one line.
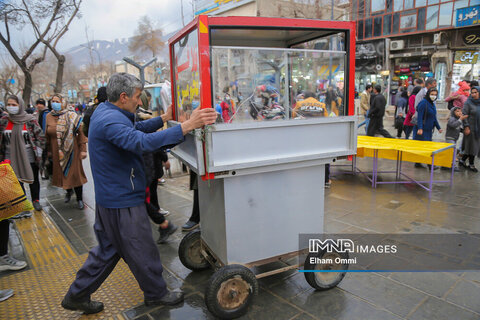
{"points": [[199, 118], [167, 116]]}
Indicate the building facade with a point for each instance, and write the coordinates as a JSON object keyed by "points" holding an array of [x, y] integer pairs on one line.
{"points": [[420, 39]]}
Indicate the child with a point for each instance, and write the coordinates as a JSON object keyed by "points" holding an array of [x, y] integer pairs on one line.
{"points": [[454, 126]]}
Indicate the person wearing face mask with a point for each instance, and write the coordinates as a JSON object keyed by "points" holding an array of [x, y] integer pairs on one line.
{"points": [[427, 118], [21, 141], [67, 146]]}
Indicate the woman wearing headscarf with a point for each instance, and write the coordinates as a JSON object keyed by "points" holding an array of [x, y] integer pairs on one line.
{"points": [[407, 124], [460, 96], [22, 142], [471, 132], [67, 145], [427, 117]]}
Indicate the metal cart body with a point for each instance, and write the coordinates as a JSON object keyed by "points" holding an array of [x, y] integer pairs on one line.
{"points": [[261, 182]]}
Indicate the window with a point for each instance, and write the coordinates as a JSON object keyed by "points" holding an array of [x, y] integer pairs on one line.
{"points": [[389, 5], [432, 2], [398, 5], [445, 18], [421, 19], [461, 4], [474, 2], [387, 24], [396, 23], [377, 27], [408, 22], [368, 28], [361, 9], [360, 29], [420, 3], [378, 5], [432, 17], [408, 4]]}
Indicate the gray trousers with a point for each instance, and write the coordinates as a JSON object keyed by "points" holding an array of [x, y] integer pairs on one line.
{"points": [[121, 233]]}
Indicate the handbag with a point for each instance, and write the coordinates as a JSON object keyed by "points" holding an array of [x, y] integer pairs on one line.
{"points": [[12, 197]]}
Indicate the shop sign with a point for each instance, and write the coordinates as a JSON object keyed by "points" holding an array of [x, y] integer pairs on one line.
{"points": [[467, 16], [466, 57], [471, 37], [370, 50]]}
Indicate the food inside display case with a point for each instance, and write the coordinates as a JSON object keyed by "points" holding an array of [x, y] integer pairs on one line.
{"points": [[263, 84]]}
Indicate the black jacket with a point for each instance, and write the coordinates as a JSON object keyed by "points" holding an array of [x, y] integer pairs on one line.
{"points": [[378, 107]]}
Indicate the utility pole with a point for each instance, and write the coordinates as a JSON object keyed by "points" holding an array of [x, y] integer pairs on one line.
{"points": [[141, 68]]}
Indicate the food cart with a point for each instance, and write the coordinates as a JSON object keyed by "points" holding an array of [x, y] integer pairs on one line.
{"points": [[261, 166]]}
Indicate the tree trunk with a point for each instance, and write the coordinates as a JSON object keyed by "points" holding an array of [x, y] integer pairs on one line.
{"points": [[27, 87], [59, 80]]}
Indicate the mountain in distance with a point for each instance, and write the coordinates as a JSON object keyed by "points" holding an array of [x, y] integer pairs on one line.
{"points": [[103, 51]]}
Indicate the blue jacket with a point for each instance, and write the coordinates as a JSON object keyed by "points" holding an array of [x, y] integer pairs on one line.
{"points": [[115, 145], [430, 120]]}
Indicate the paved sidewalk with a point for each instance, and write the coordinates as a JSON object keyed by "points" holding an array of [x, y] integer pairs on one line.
{"points": [[351, 206]]}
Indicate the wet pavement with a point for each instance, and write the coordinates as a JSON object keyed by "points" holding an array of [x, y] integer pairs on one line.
{"points": [[351, 206]]}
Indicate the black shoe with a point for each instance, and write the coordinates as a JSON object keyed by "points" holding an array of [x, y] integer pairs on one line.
{"points": [[167, 232], [169, 299], [434, 167], [462, 163], [472, 168], [37, 206], [80, 204], [189, 226], [419, 165], [68, 196], [88, 307]]}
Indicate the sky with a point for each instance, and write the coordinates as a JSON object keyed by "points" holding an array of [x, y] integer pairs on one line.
{"points": [[114, 19]]}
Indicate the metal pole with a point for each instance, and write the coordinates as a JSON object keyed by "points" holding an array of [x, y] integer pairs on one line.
{"points": [[330, 58]]}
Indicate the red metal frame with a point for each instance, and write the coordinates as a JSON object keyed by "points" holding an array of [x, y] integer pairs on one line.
{"points": [[203, 24]]}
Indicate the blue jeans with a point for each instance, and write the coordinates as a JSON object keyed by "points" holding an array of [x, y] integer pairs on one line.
{"points": [[365, 122]]}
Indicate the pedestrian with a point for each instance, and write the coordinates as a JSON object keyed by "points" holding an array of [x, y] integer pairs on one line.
{"points": [[99, 98], [407, 124], [400, 112], [67, 148], [459, 97], [427, 119], [365, 105], [121, 221], [377, 111], [22, 142], [7, 262], [471, 133], [429, 83], [454, 127], [152, 165], [194, 220]]}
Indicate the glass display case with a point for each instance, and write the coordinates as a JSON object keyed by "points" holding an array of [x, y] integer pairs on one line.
{"points": [[264, 84]]}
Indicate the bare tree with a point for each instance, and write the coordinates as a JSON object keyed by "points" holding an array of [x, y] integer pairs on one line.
{"points": [[69, 9], [146, 37], [47, 18], [9, 80]]}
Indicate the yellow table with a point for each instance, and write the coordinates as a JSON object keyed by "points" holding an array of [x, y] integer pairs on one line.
{"points": [[432, 153]]}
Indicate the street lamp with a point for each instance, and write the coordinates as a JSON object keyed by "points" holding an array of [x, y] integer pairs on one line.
{"points": [[141, 68]]}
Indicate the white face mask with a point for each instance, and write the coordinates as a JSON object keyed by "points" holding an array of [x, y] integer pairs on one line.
{"points": [[13, 109], [433, 98]]}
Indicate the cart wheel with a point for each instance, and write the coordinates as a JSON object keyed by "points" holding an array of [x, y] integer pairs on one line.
{"points": [[325, 280], [189, 252], [230, 291]]}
